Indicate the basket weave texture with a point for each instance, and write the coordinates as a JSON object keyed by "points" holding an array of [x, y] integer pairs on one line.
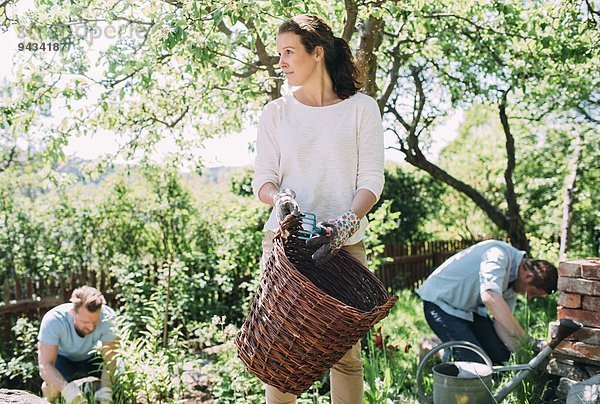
{"points": [[304, 318]]}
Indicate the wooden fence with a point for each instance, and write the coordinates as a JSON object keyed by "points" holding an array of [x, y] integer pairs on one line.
{"points": [[409, 264]]}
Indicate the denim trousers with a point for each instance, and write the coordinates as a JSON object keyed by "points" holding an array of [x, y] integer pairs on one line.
{"points": [[72, 370], [480, 332]]}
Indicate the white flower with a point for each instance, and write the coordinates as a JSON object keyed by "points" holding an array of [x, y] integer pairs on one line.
{"points": [[230, 330], [378, 383]]}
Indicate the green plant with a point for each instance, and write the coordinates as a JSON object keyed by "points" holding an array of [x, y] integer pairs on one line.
{"points": [[382, 370], [146, 370], [534, 315], [381, 222], [241, 182], [390, 352], [20, 368], [232, 383]]}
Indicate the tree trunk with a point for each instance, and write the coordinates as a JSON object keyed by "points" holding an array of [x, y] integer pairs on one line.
{"points": [[516, 228], [569, 193], [371, 36]]}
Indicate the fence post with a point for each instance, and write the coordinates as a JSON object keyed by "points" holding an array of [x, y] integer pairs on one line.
{"points": [[30, 312], [40, 292], [7, 317], [74, 284], [63, 289]]}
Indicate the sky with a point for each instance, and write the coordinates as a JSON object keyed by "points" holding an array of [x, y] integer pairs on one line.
{"points": [[231, 150]]}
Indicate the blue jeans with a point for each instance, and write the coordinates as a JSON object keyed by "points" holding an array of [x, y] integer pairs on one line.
{"points": [[480, 332], [73, 370]]}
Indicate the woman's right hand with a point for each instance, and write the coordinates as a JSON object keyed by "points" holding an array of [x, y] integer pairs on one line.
{"points": [[285, 204]]}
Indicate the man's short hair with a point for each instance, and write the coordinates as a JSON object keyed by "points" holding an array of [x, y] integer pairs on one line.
{"points": [[545, 275], [88, 297]]}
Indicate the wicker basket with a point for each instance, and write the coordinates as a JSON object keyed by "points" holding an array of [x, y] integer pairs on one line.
{"points": [[304, 318]]}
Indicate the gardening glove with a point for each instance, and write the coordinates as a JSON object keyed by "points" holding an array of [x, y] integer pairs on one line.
{"points": [[285, 204], [72, 394], [332, 235], [104, 395], [538, 344]]}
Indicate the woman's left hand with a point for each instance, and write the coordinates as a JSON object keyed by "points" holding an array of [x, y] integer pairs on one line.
{"points": [[333, 235]]}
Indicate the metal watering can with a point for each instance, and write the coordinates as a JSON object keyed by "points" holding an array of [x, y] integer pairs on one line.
{"points": [[471, 382]]}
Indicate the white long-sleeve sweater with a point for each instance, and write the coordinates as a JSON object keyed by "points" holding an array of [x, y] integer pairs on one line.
{"points": [[325, 154]]}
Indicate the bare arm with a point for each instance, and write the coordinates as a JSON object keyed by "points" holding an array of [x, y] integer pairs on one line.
{"points": [[506, 325], [46, 358], [109, 351], [267, 193], [363, 202]]}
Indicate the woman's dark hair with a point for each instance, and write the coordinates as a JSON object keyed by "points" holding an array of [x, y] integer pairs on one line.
{"points": [[314, 31]]}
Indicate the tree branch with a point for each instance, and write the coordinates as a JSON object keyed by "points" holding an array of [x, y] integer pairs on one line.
{"points": [[593, 13], [399, 118], [252, 67], [224, 29], [414, 156], [175, 3], [417, 159], [586, 115], [478, 26], [174, 123], [114, 83], [266, 60], [7, 162], [90, 20], [394, 75], [485, 44], [420, 95], [351, 15]]}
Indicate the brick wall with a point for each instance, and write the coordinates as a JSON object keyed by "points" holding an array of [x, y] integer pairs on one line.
{"points": [[579, 299]]}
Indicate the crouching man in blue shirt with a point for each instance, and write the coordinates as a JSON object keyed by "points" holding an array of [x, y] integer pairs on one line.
{"points": [[68, 335], [482, 279]]}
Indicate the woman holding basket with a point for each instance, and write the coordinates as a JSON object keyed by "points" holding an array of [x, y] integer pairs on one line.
{"points": [[320, 149]]}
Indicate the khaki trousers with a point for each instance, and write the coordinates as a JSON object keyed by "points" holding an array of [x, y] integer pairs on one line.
{"points": [[346, 376]]}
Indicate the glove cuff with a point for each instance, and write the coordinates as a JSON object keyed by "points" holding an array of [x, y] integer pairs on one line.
{"points": [[103, 393], [345, 225], [284, 192], [70, 392]]}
